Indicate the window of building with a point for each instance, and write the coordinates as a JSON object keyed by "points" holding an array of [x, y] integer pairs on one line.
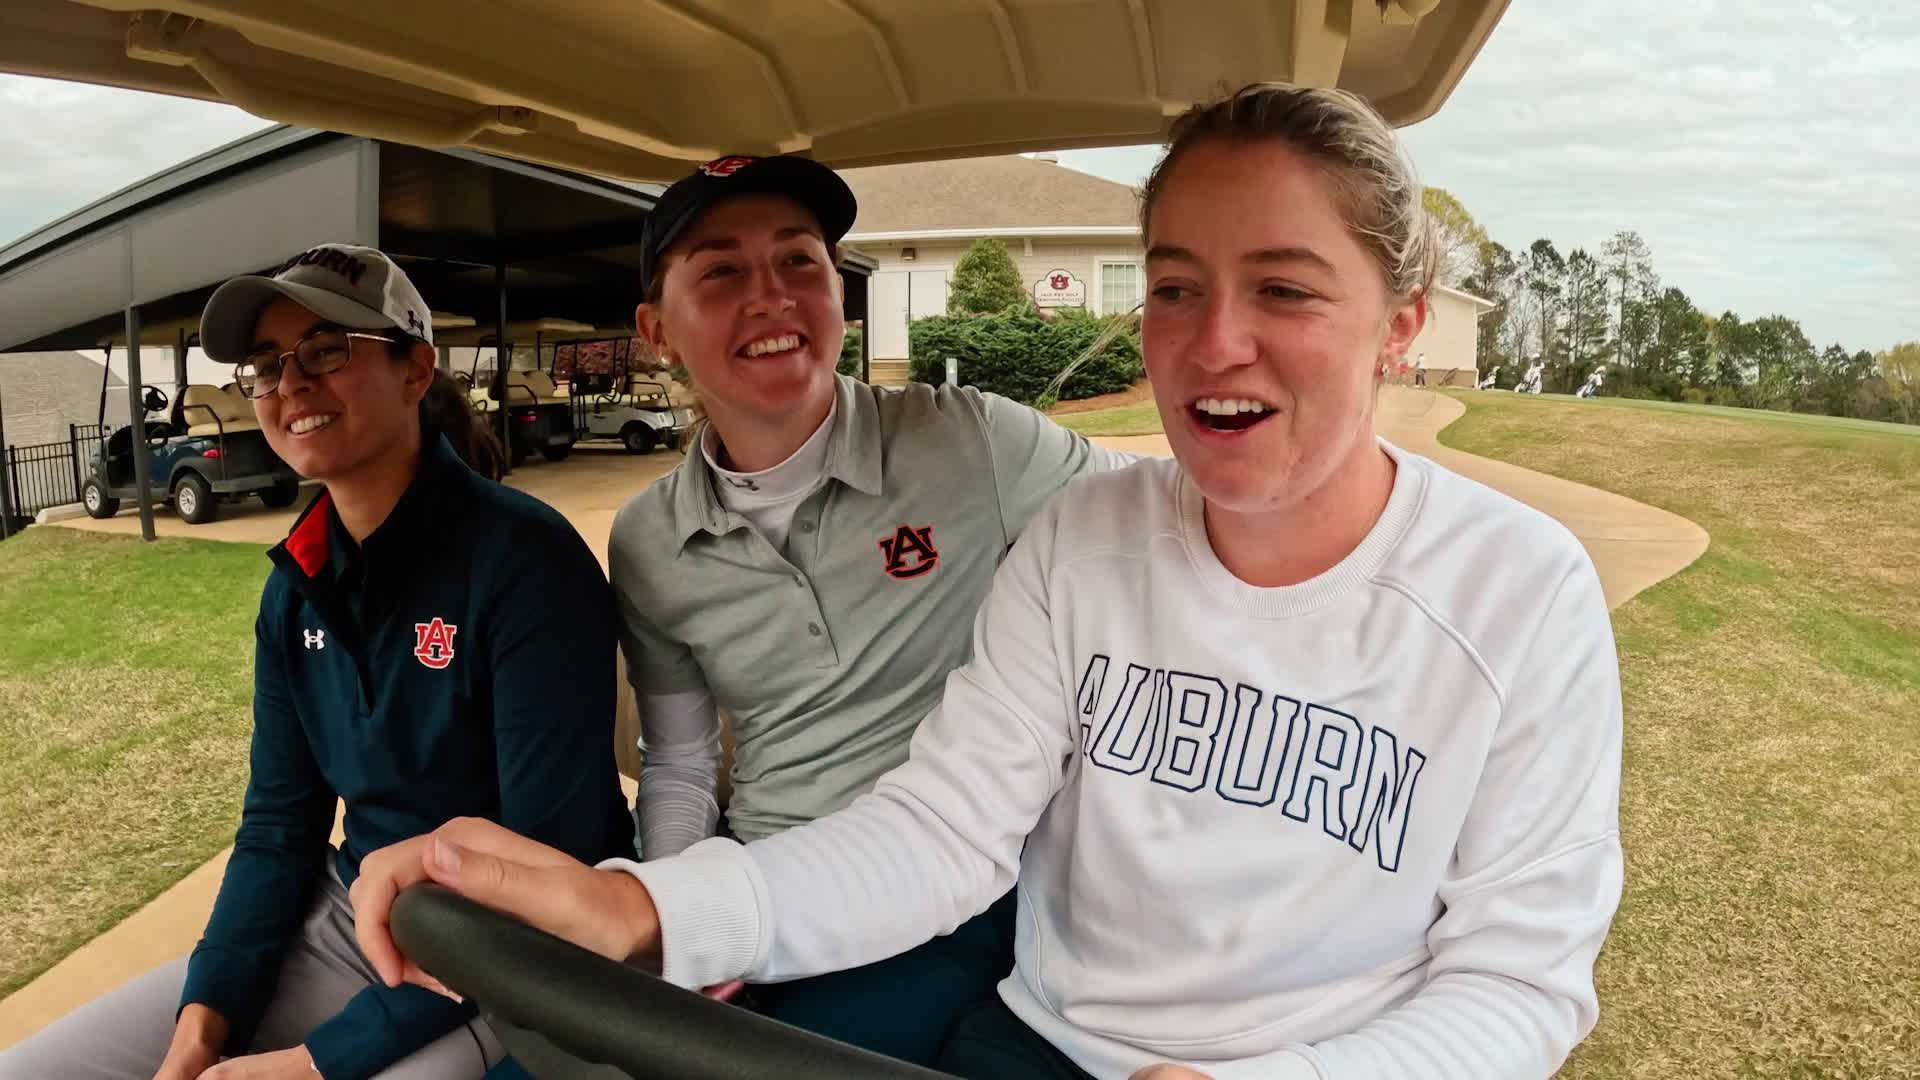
{"points": [[1121, 286]]}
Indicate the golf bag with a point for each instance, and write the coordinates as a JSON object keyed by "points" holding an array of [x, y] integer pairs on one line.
{"points": [[1592, 384]]}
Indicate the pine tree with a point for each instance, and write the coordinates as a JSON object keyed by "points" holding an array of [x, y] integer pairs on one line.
{"points": [[985, 281]]}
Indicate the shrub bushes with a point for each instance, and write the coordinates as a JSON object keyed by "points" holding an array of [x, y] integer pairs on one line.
{"points": [[850, 353], [1018, 353]]}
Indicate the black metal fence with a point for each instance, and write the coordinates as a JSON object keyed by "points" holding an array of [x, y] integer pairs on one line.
{"points": [[50, 474]]}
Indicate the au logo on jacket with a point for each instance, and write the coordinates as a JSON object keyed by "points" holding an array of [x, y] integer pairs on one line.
{"points": [[433, 642]]}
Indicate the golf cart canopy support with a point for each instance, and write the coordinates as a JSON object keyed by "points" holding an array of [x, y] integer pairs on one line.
{"points": [[641, 91]]}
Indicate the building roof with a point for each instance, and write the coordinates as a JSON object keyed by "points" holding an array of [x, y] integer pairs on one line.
{"points": [[1010, 192], [1480, 303]]}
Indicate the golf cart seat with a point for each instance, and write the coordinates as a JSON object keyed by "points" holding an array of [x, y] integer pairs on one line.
{"points": [[209, 410], [648, 393], [539, 384]]}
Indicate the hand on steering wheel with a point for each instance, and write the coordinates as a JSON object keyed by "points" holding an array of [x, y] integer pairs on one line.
{"points": [[563, 1012], [607, 913]]}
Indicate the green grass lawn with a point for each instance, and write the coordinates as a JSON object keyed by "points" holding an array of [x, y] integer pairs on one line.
{"points": [[126, 675], [1771, 802], [1764, 416]]}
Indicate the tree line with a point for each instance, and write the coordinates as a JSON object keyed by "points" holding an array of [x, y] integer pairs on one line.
{"points": [[1579, 310]]}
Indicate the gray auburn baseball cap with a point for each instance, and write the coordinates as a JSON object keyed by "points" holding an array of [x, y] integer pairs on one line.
{"points": [[355, 287]]}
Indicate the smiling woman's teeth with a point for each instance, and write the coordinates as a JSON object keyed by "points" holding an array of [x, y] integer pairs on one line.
{"points": [[774, 345], [310, 423], [1228, 406]]}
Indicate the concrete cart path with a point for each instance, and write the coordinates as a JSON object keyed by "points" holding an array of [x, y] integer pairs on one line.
{"points": [[1633, 545], [589, 487]]}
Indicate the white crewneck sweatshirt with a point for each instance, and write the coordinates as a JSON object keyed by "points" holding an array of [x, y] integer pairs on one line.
{"points": [[1356, 828], [680, 731]]}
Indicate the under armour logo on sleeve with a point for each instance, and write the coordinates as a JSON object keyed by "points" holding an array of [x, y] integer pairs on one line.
{"points": [[316, 639]]}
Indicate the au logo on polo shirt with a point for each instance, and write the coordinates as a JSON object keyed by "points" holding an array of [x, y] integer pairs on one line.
{"points": [[433, 642], [909, 551]]}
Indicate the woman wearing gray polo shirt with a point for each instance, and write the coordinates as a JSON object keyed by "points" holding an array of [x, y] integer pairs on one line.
{"points": [[814, 566]]}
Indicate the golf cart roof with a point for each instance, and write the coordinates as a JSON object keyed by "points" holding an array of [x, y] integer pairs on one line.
{"points": [[521, 331], [641, 91]]}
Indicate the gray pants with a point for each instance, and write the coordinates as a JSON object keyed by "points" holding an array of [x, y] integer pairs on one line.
{"points": [[124, 1035]]}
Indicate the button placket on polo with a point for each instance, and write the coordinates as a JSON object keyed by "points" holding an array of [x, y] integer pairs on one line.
{"points": [[811, 624], [804, 541]]}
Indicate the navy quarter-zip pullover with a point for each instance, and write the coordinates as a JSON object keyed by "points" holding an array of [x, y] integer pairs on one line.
{"points": [[459, 663]]}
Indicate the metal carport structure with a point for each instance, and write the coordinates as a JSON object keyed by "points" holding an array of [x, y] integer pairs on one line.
{"points": [[484, 238]]}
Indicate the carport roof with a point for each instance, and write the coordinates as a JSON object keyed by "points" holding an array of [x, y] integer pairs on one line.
{"points": [[570, 241]]}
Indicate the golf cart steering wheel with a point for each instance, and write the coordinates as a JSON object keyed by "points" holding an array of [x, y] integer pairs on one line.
{"points": [[152, 398], [569, 1014]]}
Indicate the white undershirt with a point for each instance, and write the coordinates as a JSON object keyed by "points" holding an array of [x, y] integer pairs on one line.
{"points": [[680, 731], [769, 498]]}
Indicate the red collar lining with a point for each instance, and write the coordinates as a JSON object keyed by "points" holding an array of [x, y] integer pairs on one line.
{"points": [[308, 543]]}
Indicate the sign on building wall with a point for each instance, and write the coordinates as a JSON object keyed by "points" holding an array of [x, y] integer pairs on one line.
{"points": [[1059, 288]]}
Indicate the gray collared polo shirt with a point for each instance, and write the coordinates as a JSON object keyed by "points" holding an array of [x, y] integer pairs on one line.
{"points": [[827, 654]]}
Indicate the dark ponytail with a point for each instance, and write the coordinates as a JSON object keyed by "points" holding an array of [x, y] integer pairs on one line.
{"points": [[445, 410]]}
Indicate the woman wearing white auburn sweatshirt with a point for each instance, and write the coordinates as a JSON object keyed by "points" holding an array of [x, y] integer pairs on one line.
{"points": [[1288, 783]]}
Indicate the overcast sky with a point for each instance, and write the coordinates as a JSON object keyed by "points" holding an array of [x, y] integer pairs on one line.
{"points": [[1768, 150]]}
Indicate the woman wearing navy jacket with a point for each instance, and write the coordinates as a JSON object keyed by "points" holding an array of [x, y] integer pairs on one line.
{"points": [[430, 645]]}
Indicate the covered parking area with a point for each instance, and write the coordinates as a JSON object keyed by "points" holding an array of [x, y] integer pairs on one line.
{"points": [[496, 246]]}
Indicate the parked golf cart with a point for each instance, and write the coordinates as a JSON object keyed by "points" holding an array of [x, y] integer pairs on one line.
{"points": [[539, 413], [204, 450], [619, 403]]}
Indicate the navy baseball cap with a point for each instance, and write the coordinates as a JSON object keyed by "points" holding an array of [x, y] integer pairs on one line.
{"points": [[803, 180]]}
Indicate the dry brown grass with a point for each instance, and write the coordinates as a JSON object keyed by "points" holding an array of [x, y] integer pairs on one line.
{"points": [[1771, 801]]}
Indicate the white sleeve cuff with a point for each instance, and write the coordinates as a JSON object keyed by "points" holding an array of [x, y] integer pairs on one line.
{"points": [[711, 904], [1295, 1061]]}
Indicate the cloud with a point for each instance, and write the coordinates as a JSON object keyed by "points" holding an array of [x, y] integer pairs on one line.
{"points": [[1767, 150], [68, 144]]}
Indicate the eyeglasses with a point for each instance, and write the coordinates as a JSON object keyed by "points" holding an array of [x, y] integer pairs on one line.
{"points": [[321, 352]]}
